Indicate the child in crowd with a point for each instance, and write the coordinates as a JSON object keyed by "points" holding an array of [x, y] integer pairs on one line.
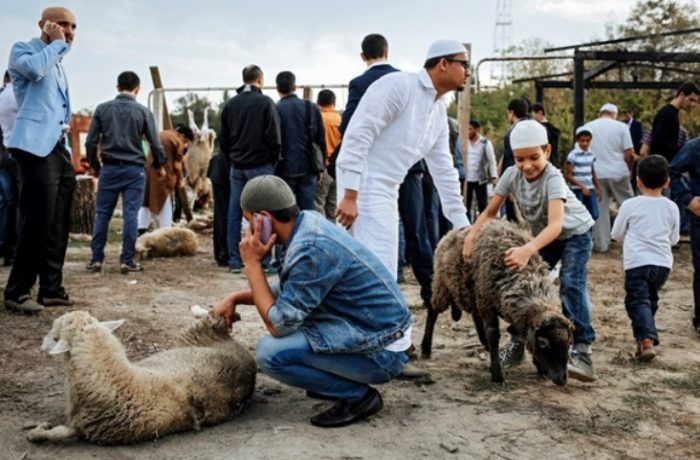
{"points": [[580, 174], [649, 226], [562, 229]]}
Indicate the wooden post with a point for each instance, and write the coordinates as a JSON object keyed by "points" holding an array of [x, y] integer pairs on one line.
{"points": [[463, 114], [83, 207], [579, 109], [308, 93], [164, 121]]}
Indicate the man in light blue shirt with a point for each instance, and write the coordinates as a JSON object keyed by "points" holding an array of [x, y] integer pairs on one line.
{"points": [[48, 179], [337, 319]]}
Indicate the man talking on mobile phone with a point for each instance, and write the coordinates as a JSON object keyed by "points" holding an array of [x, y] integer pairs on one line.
{"points": [[48, 179], [337, 319]]}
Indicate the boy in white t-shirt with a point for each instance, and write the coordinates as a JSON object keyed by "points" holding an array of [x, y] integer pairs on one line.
{"points": [[649, 226]]}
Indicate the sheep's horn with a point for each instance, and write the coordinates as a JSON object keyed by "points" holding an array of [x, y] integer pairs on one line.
{"points": [[190, 121], [61, 346], [204, 133], [113, 325]]}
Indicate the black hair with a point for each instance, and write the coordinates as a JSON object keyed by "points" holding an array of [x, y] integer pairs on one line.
{"points": [[538, 107], [285, 81], [287, 214], [653, 171], [7, 75], [185, 131], [251, 73], [584, 132], [518, 107], [688, 88], [325, 98], [374, 46], [474, 123], [128, 81]]}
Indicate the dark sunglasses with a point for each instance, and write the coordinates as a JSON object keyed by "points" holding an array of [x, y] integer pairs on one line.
{"points": [[464, 64]]}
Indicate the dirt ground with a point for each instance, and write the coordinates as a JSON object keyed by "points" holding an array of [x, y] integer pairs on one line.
{"points": [[632, 411]]}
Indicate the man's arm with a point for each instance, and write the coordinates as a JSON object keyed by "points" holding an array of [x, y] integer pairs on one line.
{"points": [[381, 104], [446, 178], [152, 138], [491, 159], [355, 93], [320, 129], [272, 133], [680, 164], [92, 141], [35, 65], [664, 134]]}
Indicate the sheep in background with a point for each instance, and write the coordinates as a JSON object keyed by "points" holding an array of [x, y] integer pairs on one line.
{"points": [[527, 299], [199, 153], [113, 401], [167, 242]]}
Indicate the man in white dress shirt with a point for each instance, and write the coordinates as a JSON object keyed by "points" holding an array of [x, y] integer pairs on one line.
{"points": [[400, 120]]}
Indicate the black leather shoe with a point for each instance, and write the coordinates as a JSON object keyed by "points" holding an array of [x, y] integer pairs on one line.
{"points": [[59, 299], [314, 395], [345, 412]]}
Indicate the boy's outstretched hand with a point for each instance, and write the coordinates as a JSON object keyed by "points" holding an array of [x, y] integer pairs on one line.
{"points": [[518, 257]]}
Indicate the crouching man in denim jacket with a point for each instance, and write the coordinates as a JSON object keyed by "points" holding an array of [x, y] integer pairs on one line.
{"points": [[337, 319]]}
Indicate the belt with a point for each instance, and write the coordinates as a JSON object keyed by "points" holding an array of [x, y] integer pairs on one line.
{"points": [[113, 162]]}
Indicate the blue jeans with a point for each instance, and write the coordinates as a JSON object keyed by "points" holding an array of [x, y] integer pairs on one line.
{"points": [[291, 360], [574, 253], [304, 188], [695, 249], [239, 177], [130, 181], [590, 202], [642, 285], [5, 198]]}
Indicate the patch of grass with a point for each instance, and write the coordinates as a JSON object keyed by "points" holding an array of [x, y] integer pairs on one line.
{"points": [[689, 384], [640, 402]]}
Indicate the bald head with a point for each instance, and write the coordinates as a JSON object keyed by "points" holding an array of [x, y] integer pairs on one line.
{"points": [[63, 17]]}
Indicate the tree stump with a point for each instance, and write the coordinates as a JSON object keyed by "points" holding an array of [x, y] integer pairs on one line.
{"points": [[82, 216]]}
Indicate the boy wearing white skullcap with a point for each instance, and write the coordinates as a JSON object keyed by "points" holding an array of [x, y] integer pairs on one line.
{"points": [[562, 229]]}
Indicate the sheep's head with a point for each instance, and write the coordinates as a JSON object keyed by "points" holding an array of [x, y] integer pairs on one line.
{"points": [[549, 342], [67, 327]]}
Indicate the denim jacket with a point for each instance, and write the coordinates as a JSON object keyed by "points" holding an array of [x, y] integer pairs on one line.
{"points": [[687, 160], [336, 291]]}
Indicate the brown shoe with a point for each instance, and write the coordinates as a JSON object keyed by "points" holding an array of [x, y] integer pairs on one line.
{"points": [[645, 350], [23, 304]]}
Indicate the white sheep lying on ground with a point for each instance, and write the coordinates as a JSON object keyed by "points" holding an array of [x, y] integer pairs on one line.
{"points": [[113, 401], [167, 242]]}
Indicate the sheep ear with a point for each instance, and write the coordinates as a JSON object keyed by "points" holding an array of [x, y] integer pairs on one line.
{"points": [[113, 325], [61, 346], [48, 343], [542, 342]]}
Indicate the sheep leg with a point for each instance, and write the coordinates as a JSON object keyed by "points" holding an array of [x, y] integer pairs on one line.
{"points": [[493, 335], [479, 324], [426, 346], [60, 433]]}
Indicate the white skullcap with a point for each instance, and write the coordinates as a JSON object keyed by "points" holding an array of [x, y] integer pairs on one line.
{"points": [[608, 107], [583, 129], [444, 48], [527, 134]]}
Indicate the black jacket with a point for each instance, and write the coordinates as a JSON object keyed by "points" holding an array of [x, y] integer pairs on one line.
{"points": [[250, 129], [357, 88], [664, 132]]}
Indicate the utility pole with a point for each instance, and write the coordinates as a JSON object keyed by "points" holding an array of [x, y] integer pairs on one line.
{"points": [[502, 39]]}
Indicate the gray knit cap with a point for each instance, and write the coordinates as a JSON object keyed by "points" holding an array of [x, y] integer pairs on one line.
{"points": [[267, 193]]}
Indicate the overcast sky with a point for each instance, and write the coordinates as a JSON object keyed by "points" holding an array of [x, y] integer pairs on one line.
{"points": [[207, 43]]}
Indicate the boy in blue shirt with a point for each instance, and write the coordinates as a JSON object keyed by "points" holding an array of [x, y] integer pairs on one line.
{"points": [[649, 226], [561, 226], [580, 174]]}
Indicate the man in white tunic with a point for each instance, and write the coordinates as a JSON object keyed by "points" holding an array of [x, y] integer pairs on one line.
{"points": [[400, 120]]}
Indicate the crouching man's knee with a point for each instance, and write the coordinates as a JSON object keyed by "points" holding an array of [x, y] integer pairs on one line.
{"points": [[266, 350]]}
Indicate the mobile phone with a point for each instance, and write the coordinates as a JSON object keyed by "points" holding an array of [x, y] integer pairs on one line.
{"points": [[266, 231]]}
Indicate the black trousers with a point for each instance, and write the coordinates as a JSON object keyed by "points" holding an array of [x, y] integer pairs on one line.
{"points": [[474, 188], [419, 251], [45, 198], [222, 194], [11, 212]]}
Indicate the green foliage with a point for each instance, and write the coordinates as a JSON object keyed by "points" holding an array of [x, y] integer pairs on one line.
{"points": [[647, 17]]}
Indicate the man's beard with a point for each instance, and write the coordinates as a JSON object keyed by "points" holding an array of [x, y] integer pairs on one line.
{"points": [[460, 88]]}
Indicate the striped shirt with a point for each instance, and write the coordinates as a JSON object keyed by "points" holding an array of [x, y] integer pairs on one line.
{"points": [[119, 126], [583, 167]]}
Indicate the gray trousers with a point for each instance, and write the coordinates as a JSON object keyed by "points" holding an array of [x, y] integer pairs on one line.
{"points": [[619, 190], [325, 201]]}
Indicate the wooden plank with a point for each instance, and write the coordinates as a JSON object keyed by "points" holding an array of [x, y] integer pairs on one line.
{"points": [[158, 84]]}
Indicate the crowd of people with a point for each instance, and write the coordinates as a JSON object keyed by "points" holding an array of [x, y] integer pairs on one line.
{"points": [[348, 200]]}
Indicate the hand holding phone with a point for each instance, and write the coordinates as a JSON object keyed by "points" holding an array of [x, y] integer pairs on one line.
{"points": [[53, 30], [266, 228]]}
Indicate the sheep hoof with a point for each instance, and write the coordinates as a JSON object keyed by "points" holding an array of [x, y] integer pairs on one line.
{"points": [[38, 434], [497, 379]]}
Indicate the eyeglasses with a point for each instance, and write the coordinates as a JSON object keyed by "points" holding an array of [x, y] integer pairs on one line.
{"points": [[464, 64]]}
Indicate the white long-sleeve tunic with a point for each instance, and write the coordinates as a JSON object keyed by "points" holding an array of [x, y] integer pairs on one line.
{"points": [[397, 123]]}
